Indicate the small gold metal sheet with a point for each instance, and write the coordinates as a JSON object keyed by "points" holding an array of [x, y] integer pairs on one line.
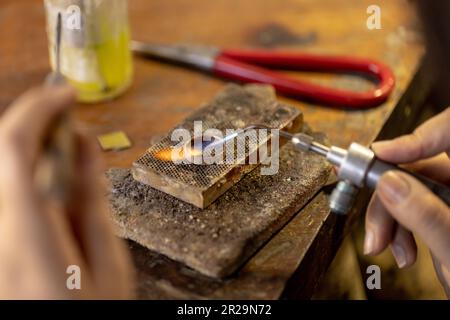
{"points": [[116, 141]]}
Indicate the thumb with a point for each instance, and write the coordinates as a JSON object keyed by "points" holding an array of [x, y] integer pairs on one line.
{"points": [[419, 210], [429, 139]]}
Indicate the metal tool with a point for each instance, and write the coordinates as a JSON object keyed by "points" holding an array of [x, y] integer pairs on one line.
{"points": [[56, 77], [56, 173], [357, 167], [254, 66]]}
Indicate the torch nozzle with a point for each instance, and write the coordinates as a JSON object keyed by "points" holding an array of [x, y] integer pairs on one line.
{"points": [[305, 142]]}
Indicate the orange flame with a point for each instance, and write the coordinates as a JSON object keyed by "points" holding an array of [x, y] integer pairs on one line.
{"points": [[176, 154]]}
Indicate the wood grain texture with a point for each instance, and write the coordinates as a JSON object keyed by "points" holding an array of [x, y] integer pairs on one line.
{"points": [[162, 95]]}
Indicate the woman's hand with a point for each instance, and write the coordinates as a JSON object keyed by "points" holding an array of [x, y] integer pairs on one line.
{"points": [[401, 205], [39, 240]]}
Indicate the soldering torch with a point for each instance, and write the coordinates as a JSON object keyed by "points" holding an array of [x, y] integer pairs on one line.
{"points": [[357, 167]]}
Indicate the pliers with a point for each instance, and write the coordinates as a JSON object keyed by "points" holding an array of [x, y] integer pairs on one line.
{"points": [[254, 66]]}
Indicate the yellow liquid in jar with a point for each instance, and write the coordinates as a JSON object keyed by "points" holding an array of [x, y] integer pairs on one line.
{"points": [[100, 71]]}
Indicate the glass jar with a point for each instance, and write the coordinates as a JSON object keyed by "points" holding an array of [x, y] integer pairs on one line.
{"points": [[95, 54]]}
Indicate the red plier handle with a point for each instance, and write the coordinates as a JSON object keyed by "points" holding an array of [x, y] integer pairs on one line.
{"points": [[253, 66]]}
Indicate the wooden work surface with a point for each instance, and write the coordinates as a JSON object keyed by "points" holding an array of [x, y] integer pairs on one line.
{"points": [[162, 95]]}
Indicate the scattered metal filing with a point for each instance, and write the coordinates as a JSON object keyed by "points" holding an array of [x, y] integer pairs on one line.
{"points": [[115, 141]]}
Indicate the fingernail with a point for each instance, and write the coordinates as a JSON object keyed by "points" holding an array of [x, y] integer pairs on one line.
{"points": [[379, 145], [393, 187], [399, 255], [369, 242]]}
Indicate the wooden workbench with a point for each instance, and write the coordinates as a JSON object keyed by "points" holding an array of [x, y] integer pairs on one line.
{"points": [[292, 263]]}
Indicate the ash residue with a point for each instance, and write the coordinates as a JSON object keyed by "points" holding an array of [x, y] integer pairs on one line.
{"points": [[126, 191]]}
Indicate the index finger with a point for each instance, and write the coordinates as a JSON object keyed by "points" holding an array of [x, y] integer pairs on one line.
{"points": [[429, 139], [25, 122], [22, 128]]}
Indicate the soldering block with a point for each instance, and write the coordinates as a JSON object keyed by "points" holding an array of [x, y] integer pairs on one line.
{"points": [[236, 107], [217, 240]]}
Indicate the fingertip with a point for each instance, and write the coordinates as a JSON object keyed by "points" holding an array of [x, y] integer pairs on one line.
{"points": [[61, 90], [66, 88], [404, 248], [380, 225], [387, 150], [369, 242], [394, 187], [53, 98], [420, 211], [64, 93], [380, 147], [399, 255], [403, 149]]}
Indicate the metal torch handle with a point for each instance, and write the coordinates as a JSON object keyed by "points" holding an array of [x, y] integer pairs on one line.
{"points": [[378, 168]]}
